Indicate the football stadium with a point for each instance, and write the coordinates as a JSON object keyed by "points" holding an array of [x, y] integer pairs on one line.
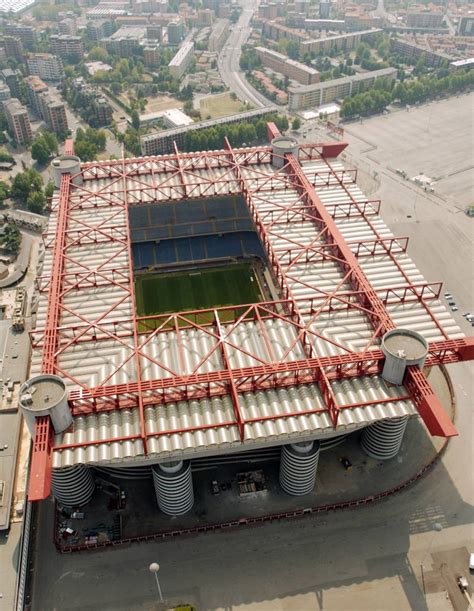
{"points": [[196, 309]]}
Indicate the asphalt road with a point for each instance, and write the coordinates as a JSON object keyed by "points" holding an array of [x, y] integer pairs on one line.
{"points": [[229, 57]]}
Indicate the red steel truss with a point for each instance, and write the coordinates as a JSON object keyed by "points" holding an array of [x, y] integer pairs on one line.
{"points": [[180, 176]]}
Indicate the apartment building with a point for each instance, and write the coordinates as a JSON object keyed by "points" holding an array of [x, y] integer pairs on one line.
{"points": [[18, 121], [96, 30], [277, 31], [466, 25], [125, 41], [151, 55], [341, 42], [66, 45], [34, 86], [26, 33], [68, 26], [218, 35], [101, 113], [176, 31], [10, 77], [13, 47], [182, 60], [413, 52], [53, 112], [288, 67], [47, 66], [314, 96], [424, 16]]}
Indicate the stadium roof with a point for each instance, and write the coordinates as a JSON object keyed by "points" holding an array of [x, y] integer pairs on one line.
{"points": [[155, 388]]}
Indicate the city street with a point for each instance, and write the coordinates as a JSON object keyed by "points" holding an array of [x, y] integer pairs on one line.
{"points": [[229, 57]]}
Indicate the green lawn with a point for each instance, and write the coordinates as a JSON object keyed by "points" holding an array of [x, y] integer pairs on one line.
{"points": [[196, 290]]}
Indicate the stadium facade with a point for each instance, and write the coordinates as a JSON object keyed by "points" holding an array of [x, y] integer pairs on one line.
{"points": [[340, 339]]}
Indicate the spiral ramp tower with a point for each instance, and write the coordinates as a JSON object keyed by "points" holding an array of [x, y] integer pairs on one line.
{"points": [[383, 439], [73, 486], [174, 487], [298, 466]]}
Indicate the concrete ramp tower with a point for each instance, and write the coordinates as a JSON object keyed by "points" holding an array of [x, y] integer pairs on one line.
{"points": [[298, 466]]}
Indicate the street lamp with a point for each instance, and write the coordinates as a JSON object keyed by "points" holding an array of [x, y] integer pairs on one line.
{"points": [[154, 568]]}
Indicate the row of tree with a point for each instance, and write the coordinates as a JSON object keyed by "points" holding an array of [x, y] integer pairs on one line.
{"points": [[245, 132], [407, 92]]}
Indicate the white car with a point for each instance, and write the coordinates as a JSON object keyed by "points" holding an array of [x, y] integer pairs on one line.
{"points": [[448, 296], [454, 307], [471, 562]]}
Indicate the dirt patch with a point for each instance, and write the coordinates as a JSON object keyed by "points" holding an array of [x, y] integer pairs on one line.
{"points": [[220, 105]]}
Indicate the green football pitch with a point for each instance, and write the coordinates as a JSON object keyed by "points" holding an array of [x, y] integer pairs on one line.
{"points": [[196, 290]]}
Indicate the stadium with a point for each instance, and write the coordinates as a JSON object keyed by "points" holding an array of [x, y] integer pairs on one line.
{"points": [[202, 306]]}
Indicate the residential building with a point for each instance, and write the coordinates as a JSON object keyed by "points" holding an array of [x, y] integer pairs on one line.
{"points": [[68, 26], [34, 87], [125, 41], [53, 112], [345, 42], [413, 52], [96, 30], [182, 60], [288, 67], [13, 47], [357, 19], [314, 96], [26, 33], [4, 92], [205, 17], [277, 31], [18, 121], [176, 32], [66, 45], [101, 113], [466, 25], [10, 77], [154, 32], [424, 16], [218, 36], [45, 65], [151, 55]]}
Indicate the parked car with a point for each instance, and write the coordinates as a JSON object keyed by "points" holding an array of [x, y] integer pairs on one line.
{"points": [[448, 296]]}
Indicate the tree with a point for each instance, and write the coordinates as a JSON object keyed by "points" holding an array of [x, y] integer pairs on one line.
{"points": [[25, 183], [49, 189], [35, 202], [296, 124], [39, 152], [11, 238], [86, 150], [135, 119], [4, 192]]}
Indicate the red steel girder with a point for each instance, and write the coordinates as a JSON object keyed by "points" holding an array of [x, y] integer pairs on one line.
{"points": [[40, 472], [429, 408]]}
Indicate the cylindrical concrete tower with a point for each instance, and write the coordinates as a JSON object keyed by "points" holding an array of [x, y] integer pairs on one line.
{"points": [[298, 466], [73, 486], [174, 487], [280, 146], [45, 395], [382, 440], [66, 164], [402, 348]]}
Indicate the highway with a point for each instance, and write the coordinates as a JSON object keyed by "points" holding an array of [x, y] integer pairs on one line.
{"points": [[230, 55]]}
